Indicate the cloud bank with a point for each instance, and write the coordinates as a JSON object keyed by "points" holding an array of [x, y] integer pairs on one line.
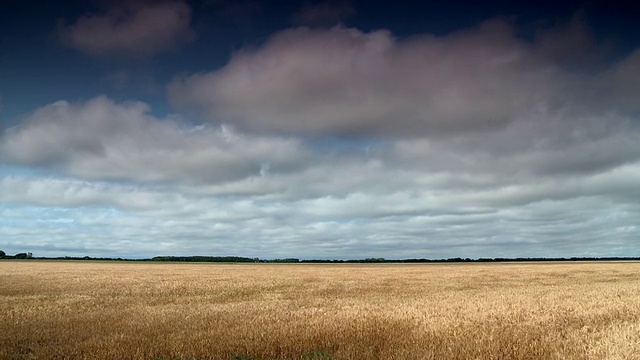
{"points": [[116, 172], [339, 143], [345, 82]]}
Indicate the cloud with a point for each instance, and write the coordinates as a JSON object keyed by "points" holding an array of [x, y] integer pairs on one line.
{"points": [[323, 14], [120, 181], [548, 155], [347, 82], [110, 218], [100, 139], [138, 29]]}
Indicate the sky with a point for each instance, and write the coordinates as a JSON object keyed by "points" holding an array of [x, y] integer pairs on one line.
{"points": [[320, 129]]}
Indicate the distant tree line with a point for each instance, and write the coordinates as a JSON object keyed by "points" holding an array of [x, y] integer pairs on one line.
{"points": [[234, 259], [26, 255], [241, 259]]}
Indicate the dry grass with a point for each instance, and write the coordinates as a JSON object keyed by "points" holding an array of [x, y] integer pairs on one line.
{"points": [[91, 310]]}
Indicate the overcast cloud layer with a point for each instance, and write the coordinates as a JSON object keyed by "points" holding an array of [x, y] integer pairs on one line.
{"points": [[335, 142]]}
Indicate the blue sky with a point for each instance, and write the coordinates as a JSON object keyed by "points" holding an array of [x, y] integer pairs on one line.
{"points": [[319, 129]]}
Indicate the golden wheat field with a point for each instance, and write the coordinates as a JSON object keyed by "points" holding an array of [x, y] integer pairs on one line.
{"points": [[96, 310]]}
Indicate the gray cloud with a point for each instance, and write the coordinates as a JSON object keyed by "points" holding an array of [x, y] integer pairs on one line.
{"points": [[138, 29], [344, 81], [544, 144], [104, 140], [544, 156]]}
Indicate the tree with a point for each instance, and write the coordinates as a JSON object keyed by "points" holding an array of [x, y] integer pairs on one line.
{"points": [[2, 254]]}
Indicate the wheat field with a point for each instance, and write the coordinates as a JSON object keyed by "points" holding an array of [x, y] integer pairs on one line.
{"points": [[109, 310]]}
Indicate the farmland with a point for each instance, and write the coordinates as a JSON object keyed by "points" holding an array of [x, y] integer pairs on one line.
{"points": [[108, 310]]}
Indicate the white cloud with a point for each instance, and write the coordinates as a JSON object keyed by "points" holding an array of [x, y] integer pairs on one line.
{"points": [[139, 29]]}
